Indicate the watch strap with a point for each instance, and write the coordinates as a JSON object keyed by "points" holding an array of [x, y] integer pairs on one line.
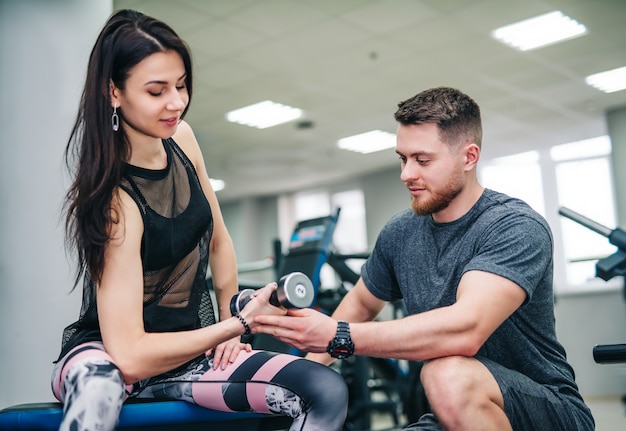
{"points": [[341, 346]]}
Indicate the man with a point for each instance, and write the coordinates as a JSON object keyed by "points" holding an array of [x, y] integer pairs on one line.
{"points": [[474, 268]]}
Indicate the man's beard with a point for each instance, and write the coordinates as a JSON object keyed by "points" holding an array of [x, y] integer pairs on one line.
{"points": [[438, 201]]}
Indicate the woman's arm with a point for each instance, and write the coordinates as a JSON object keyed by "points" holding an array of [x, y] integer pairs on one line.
{"points": [[120, 307], [222, 253], [140, 354], [222, 260]]}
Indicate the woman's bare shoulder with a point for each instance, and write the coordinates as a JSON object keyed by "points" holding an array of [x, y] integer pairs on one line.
{"points": [[185, 138]]}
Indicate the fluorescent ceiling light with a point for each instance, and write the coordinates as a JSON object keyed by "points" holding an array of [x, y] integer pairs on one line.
{"points": [[539, 31], [217, 184], [264, 114], [368, 142], [609, 81]]}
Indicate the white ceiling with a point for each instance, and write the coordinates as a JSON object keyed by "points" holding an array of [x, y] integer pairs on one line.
{"points": [[347, 63]]}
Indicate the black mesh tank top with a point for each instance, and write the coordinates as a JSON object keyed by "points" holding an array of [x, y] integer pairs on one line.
{"points": [[178, 225]]}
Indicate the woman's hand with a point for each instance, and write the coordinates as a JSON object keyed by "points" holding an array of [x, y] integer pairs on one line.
{"points": [[259, 304], [226, 353]]}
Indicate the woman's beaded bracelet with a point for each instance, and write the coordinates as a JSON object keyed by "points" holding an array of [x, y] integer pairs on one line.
{"points": [[244, 323]]}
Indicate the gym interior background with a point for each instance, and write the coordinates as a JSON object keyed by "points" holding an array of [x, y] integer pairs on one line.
{"points": [[294, 171]]}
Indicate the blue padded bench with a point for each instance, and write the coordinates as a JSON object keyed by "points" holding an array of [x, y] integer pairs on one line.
{"points": [[145, 416]]}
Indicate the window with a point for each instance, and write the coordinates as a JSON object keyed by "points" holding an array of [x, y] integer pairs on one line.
{"points": [[584, 185], [576, 176], [351, 233], [518, 176]]}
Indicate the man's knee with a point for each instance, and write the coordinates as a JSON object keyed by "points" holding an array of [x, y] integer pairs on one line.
{"points": [[448, 372], [454, 381], [457, 386]]}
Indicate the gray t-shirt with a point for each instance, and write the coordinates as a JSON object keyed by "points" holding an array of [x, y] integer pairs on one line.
{"points": [[422, 262]]}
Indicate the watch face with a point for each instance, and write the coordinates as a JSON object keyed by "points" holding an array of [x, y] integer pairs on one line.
{"points": [[341, 353], [341, 349]]}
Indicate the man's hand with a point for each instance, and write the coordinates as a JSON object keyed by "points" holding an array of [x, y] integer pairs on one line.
{"points": [[305, 329]]}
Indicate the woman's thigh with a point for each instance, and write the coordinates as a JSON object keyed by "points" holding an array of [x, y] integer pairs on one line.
{"points": [[261, 381], [79, 365], [244, 385]]}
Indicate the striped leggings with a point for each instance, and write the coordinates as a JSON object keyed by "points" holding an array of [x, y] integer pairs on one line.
{"points": [[92, 389]]}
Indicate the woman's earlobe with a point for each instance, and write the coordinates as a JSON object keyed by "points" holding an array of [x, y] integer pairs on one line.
{"points": [[113, 94]]}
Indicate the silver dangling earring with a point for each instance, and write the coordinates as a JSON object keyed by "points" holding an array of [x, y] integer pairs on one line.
{"points": [[115, 119]]}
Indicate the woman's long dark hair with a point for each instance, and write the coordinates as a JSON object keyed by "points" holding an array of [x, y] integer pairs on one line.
{"points": [[95, 154]]}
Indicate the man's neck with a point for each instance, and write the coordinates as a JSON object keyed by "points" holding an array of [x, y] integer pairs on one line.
{"points": [[461, 204]]}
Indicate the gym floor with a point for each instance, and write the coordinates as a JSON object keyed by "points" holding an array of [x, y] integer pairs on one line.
{"points": [[609, 413]]}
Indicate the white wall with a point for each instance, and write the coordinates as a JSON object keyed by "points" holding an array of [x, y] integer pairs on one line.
{"points": [[584, 320], [384, 196], [43, 58], [252, 224], [616, 124]]}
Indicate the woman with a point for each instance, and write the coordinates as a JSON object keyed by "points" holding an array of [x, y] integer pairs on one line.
{"points": [[145, 223]]}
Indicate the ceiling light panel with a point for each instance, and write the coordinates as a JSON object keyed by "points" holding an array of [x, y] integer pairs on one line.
{"points": [[540, 31], [264, 114], [609, 81], [369, 142]]}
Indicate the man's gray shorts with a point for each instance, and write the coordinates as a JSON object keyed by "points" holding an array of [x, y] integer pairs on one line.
{"points": [[529, 405]]}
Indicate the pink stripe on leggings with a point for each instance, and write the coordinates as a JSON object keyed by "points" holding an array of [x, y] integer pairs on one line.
{"points": [[208, 391], [94, 352], [256, 391]]}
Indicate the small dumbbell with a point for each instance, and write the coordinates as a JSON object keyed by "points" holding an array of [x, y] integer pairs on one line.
{"points": [[295, 290]]}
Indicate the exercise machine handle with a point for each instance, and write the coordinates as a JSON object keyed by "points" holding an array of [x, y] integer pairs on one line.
{"points": [[609, 353], [616, 236], [586, 222]]}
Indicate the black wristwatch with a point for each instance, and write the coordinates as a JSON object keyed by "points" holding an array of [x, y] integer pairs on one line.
{"points": [[341, 347]]}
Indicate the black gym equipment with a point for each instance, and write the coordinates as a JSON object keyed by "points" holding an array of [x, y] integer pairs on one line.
{"points": [[606, 268]]}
